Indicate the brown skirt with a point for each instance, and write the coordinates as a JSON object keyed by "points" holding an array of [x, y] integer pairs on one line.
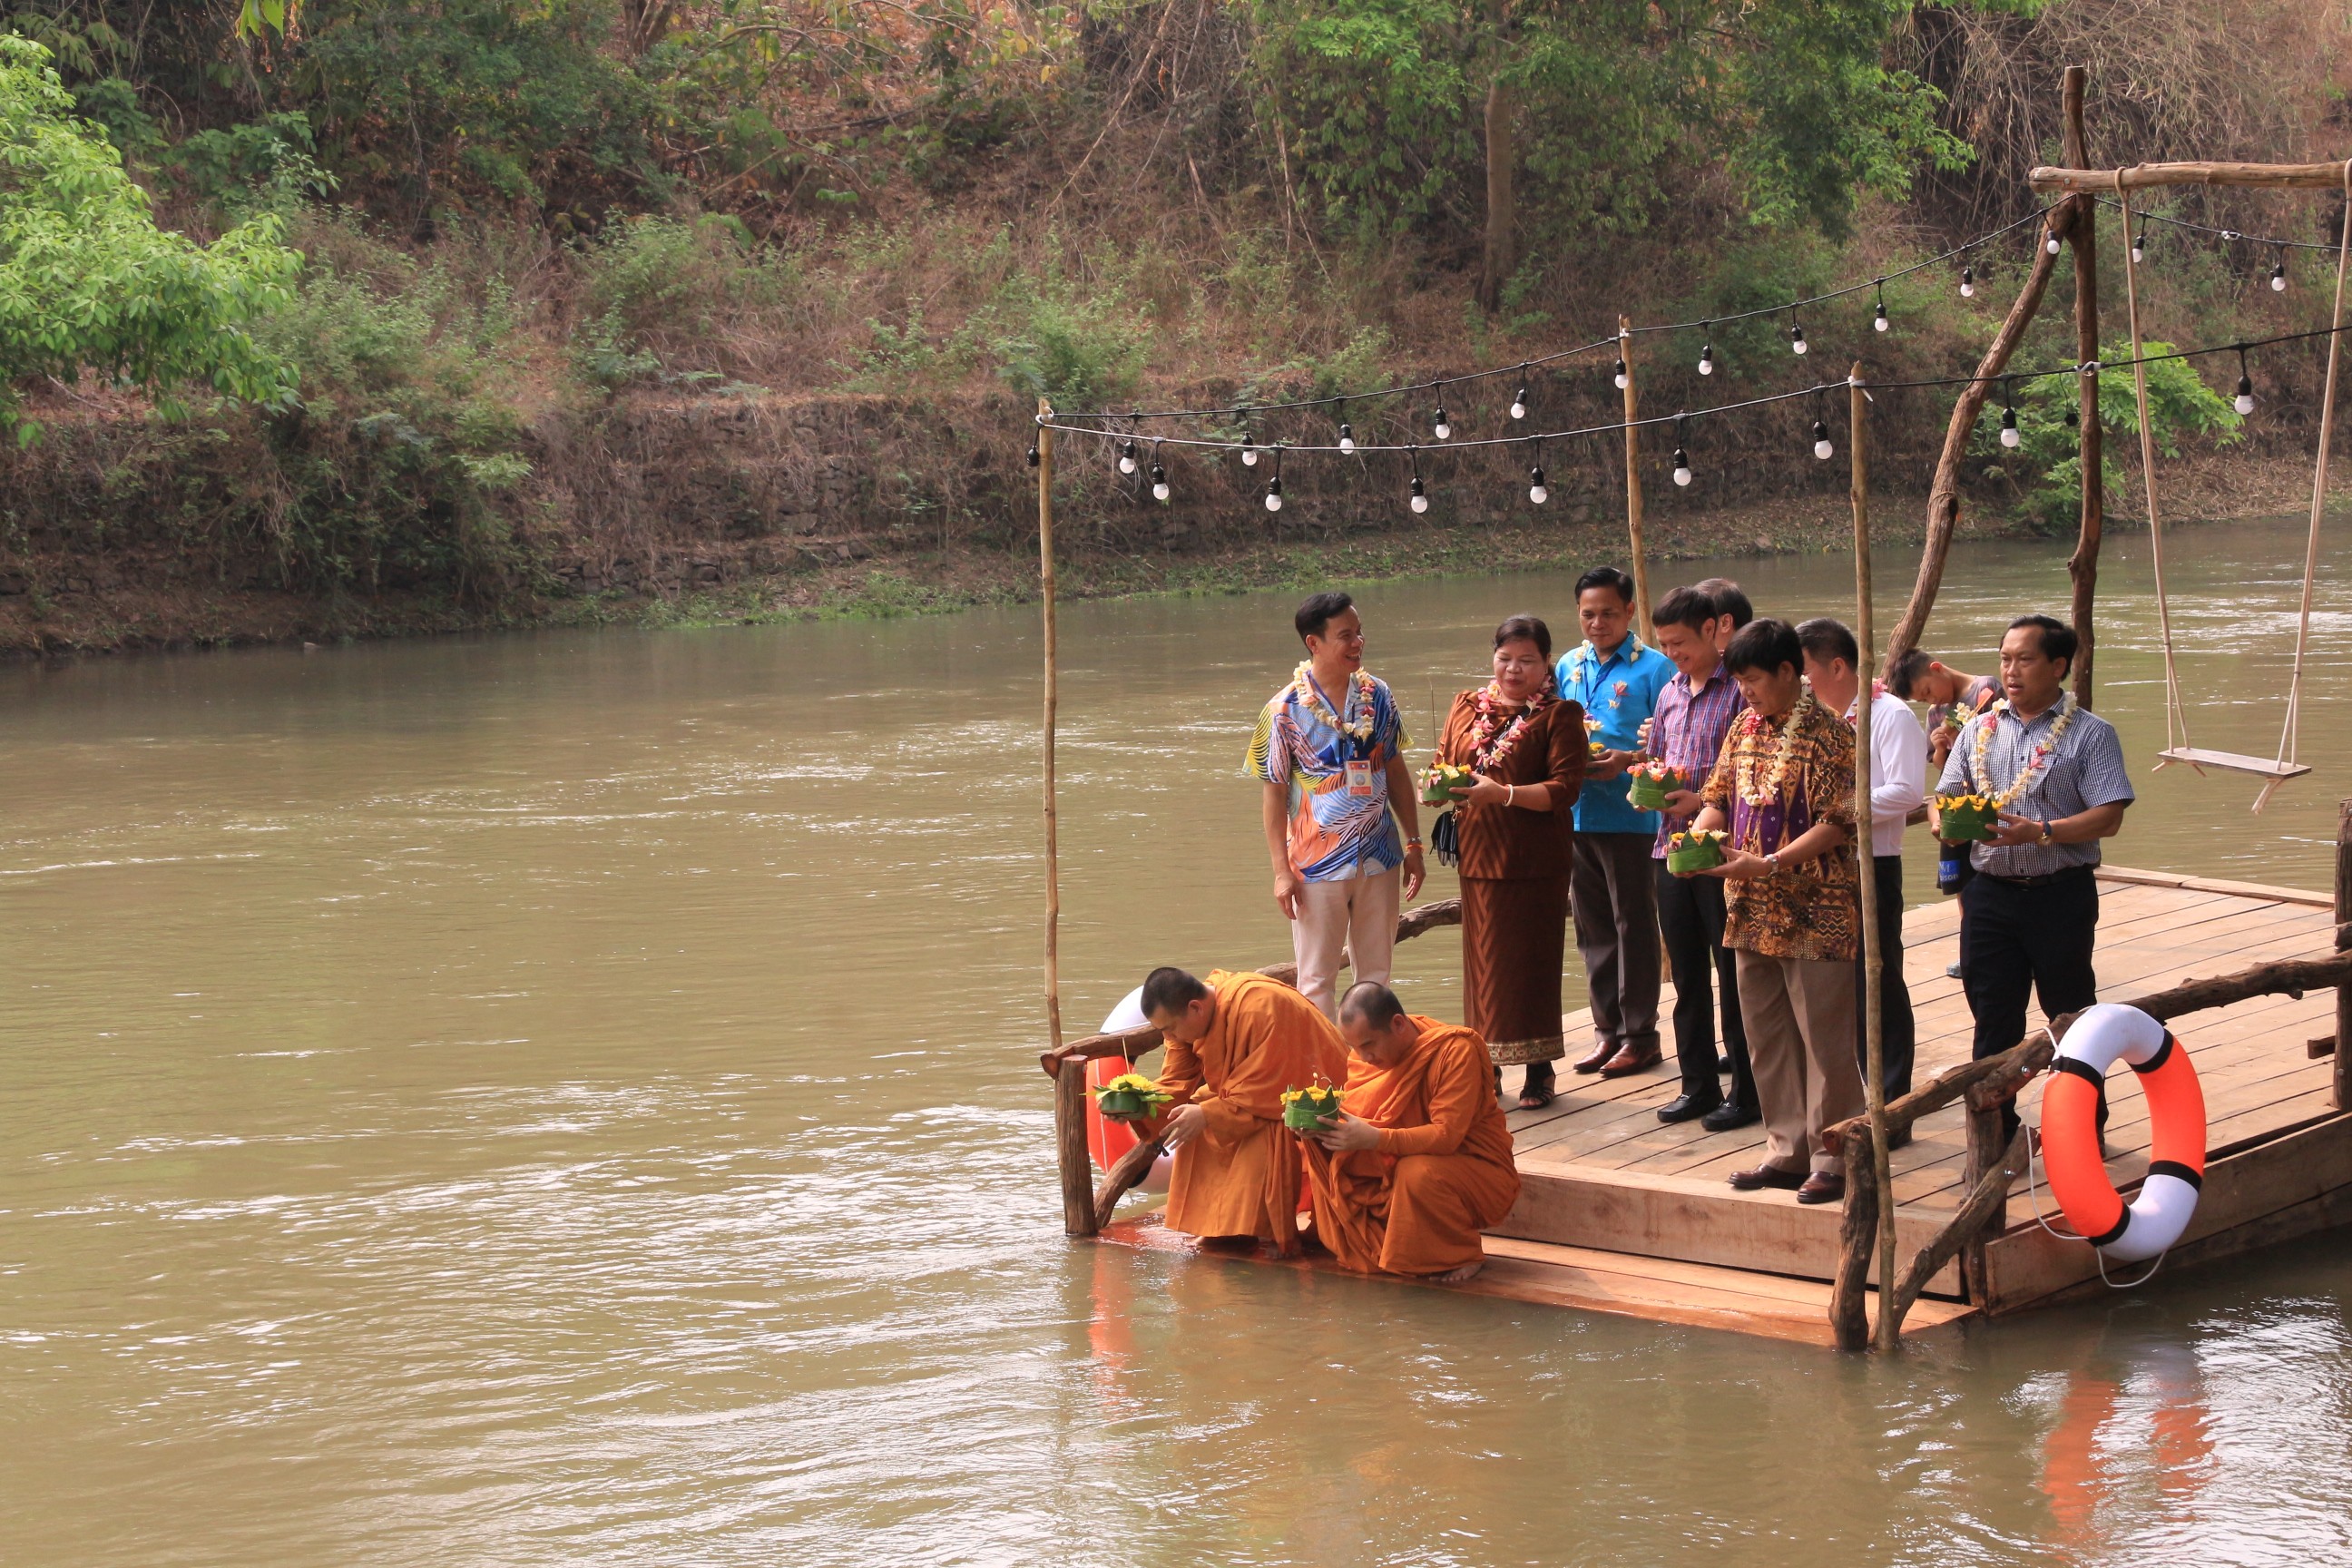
{"points": [[1514, 946]]}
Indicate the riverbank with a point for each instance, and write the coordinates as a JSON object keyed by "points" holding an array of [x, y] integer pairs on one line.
{"points": [[152, 596]]}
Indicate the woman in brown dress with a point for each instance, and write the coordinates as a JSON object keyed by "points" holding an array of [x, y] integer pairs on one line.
{"points": [[1514, 826]]}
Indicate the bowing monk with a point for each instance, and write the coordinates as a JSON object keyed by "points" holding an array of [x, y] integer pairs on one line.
{"points": [[1418, 1162], [1234, 1046]]}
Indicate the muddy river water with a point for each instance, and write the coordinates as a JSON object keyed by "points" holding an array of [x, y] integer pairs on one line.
{"points": [[571, 1098]]}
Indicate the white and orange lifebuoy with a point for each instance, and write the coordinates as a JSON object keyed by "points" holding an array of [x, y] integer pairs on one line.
{"points": [[2102, 1035], [1108, 1140]]}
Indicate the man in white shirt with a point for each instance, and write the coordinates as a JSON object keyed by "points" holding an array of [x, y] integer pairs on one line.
{"points": [[1898, 786]]}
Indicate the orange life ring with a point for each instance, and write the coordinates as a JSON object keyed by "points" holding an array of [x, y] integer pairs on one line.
{"points": [[2155, 1220], [1106, 1139]]}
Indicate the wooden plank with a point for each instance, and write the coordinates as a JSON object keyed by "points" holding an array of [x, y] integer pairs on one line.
{"points": [[2271, 891], [2235, 762], [1696, 1221], [2027, 1264], [2142, 177]]}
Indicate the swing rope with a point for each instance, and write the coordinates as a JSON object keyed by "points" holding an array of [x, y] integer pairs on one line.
{"points": [[2176, 716], [2290, 737]]}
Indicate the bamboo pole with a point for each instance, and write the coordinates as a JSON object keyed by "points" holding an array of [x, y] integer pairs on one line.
{"points": [[2083, 237], [2144, 176], [1634, 484], [2340, 1074], [1070, 1079], [1890, 1322]]}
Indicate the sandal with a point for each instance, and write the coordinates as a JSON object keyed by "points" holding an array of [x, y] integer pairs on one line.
{"points": [[1538, 1093]]}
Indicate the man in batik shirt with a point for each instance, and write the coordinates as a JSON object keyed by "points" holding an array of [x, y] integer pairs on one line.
{"points": [[1329, 749], [1784, 786]]}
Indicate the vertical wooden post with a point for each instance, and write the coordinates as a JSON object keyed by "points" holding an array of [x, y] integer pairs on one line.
{"points": [[1986, 1150], [1070, 1150], [1890, 1326], [1857, 1232], [2343, 993], [1633, 486], [1070, 1079], [2082, 234]]}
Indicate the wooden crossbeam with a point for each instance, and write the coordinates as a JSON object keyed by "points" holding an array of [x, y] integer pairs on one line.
{"points": [[2142, 177]]}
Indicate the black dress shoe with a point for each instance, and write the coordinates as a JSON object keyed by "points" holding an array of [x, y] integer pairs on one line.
{"points": [[1768, 1176], [1729, 1115], [1686, 1107]]}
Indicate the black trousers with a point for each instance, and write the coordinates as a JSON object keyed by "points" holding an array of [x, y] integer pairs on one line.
{"points": [[1899, 1030], [1690, 919], [2016, 940]]}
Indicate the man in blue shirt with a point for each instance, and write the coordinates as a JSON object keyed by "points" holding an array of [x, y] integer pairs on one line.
{"points": [[1612, 890]]}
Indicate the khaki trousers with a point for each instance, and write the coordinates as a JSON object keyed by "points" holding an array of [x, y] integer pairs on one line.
{"points": [[1358, 914], [1800, 1014]]}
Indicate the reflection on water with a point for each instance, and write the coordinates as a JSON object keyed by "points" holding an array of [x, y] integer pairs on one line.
{"points": [[573, 1099]]}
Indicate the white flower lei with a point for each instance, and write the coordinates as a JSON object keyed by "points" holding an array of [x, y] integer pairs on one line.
{"points": [[2037, 761], [1302, 680], [1768, 792]]}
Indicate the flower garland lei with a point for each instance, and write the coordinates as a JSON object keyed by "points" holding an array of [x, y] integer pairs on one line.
{"points": [[1495, 733], [2037, 761], [1360, 687], [1768, 792]]}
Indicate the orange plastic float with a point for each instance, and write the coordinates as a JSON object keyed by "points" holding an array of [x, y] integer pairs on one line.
{"points": [[2101, 1036]]}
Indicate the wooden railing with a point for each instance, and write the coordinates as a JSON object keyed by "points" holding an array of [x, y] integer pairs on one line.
{"points": [[1993, 1164], [1086, 1208]]}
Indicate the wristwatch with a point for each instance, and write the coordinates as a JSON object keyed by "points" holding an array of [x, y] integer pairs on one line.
{"points": [[2049, 832]]}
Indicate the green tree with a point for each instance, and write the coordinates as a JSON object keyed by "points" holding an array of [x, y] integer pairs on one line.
{"points": [[87, 281]]}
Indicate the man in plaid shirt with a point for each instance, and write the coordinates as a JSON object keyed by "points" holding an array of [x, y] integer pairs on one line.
{"points": [[1694, 711]]}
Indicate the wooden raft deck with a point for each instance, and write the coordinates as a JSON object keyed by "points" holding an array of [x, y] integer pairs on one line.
{"points": [[1623, 1215]]}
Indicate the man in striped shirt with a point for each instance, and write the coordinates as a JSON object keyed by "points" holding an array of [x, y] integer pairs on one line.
{"points": [[1694, 711]]}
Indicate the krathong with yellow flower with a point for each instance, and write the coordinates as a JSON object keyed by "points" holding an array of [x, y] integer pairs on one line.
{"points": [[1653, 782], [1131, 1095], [1966, 818], [1591, 728], [1305, 1110], [1696, 849], [1439, 780]]}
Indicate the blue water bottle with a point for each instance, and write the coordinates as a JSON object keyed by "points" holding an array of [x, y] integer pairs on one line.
{"points": [[1951, 866]]}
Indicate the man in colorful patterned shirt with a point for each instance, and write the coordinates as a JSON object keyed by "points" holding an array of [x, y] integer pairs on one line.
{"points": [[1784, 786], [1329, 749], [1612, 891], [1695, 713]]}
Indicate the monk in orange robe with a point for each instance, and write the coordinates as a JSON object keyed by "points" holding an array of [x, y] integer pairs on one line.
{"points": [[1417, 1160], [1234, 1046]]}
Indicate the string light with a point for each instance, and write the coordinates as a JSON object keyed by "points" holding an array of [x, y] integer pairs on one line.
{"points": [[1968, 282], [1274, 485], [1420, 495], [1879, 321], [1822, 447], [2050, 240], [1620, 372], [1537, 493], [2244, 402], [1441, 426], [1519, 399], [2009, 436], [1034, 457], [1159, 475], [2278, 274], [1682, 457], [1707, 350], [1795, 334], [1127, 456], [1347, 434], [2139, 245]]}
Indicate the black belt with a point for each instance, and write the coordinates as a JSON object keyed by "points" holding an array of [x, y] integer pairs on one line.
{"points": [[2041, 881]]}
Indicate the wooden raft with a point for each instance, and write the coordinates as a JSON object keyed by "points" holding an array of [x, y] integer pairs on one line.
{"points": [[1623, 1215]]}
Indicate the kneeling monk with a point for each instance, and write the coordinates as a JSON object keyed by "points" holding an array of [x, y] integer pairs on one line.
{"points": [[1234, 1046], [1417, 1160]]}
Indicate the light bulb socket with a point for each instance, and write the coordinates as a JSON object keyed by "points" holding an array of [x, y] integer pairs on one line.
{"points": [[1418, 487], [1620, 373], [1034, 457], [1968, 282], [1880, 321], [2009, 418], [2072, 419], [1274, 493]]}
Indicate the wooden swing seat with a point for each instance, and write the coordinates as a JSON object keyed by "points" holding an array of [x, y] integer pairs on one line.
{"points": [[2234, 762]]}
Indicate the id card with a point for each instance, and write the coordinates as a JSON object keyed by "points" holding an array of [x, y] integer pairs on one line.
{"points": [[1360, 775]]}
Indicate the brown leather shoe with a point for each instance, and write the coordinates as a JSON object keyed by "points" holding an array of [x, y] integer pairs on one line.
{"points": [[1766, 1176], [1633, 1059], [1601, 1054], [1821, 1188]]}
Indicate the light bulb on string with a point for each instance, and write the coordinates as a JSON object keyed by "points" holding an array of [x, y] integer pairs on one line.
{"points": [[1519, 399], [1420, 495], [2244, 402], [2050, 240], [1706, 352], [1537, 491], [2009, 436], [1682, 457], [1878, 322], [1159, 475], [1796, 336], [1035, 456], [1441, 426], [1249, 448], [1620, 376], [2278, 274], [1822, 446], [1274, 485], [1348, 439], [1968, 282], [2139, 245], [1127, 458]]}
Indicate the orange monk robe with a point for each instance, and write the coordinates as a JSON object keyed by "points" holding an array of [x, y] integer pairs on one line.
{"points": [[1242, 1175], [1442, 1172]]}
